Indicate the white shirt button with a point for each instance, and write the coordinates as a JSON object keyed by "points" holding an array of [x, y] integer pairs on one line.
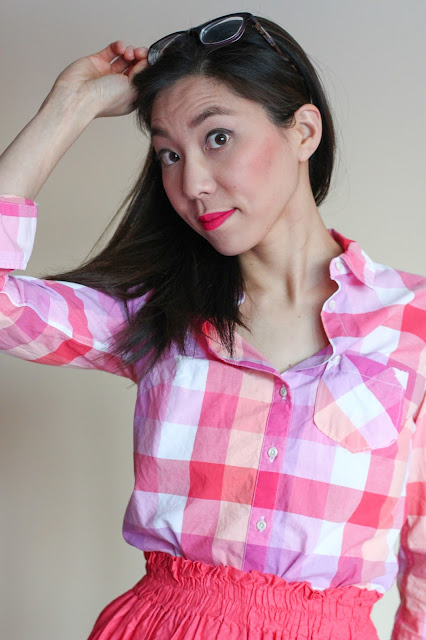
{"points": [[283, 392], [331, 305], [339, 265], [272, 453], [261, 524]]}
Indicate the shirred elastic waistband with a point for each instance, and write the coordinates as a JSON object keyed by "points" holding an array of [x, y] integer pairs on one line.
{"points": [[259, 590]]}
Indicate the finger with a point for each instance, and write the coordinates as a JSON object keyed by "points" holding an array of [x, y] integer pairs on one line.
{"points": [[141, 52], [136, 68], [140, 55], [113, 50], [121, 56], [129, 53], [119, 65], [135, 53], [124, 61]]}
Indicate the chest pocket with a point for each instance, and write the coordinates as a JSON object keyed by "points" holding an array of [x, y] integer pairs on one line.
{"points": [[359, 402]]}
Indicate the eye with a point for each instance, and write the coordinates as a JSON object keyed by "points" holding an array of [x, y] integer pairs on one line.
{"points": [[216, 139], [167, 157]]}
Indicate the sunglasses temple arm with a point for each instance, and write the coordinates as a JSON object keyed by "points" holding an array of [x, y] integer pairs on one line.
{"points": [[267, 37]]}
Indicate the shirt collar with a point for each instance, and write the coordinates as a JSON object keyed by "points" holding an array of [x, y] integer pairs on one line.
{"points": [[355, 259]]}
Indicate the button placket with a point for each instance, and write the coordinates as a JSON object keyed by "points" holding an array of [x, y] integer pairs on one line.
{"points": [[272, 453], [261, 524]]}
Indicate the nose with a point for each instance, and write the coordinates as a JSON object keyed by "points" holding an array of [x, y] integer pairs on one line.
{"points": [[197, 177]]}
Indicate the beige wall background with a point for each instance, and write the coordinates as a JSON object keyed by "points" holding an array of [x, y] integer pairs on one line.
{"points": [[66, 435]]}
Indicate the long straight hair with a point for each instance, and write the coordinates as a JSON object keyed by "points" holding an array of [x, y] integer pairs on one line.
{"points": [[153, 252]]}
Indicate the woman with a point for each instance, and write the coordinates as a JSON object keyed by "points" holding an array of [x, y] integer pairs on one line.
{"points": [[280, 416]]}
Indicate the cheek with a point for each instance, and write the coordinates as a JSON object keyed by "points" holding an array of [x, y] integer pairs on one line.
{"points": [[261, 165], [256, 163]]}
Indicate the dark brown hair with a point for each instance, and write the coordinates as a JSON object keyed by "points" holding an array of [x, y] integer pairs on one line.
{"points": [[153, 250]]}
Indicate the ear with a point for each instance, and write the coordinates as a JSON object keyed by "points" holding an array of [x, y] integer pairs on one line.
{"points": [[308, 130]]}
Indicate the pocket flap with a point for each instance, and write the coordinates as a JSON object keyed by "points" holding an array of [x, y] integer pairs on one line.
{"points": [[359, 402]]}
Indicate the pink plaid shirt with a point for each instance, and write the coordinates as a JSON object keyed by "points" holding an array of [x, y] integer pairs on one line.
{"points": [[310, 474]]}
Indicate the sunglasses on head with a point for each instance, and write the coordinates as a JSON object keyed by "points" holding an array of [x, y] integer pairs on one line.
{"points": [[217, 33]]}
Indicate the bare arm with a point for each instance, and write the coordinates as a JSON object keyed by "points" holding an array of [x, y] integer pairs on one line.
{"points": [[29, 160], [95, 86]]}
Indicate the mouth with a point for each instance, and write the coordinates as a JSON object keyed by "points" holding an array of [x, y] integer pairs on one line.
{"points": [[212, 221], [207, 217]]}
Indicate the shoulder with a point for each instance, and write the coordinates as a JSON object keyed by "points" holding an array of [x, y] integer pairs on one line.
{"points": [[411, 286], [403, 294]]}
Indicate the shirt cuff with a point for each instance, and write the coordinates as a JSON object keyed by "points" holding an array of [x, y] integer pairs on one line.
{"points": [[16, 199]]}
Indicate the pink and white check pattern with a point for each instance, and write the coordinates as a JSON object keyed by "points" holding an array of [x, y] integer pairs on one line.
{"points": [[310, 475]]}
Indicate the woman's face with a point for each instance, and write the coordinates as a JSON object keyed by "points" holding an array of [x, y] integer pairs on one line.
{"points": [[220, 153]]}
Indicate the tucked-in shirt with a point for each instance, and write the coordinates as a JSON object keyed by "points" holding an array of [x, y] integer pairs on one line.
{"points": [[310, 474]]}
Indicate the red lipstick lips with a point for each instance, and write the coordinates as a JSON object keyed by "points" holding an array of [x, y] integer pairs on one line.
{"points": [[213, 220]]}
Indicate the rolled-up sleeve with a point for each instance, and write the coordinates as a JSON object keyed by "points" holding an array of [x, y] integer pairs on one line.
{"points": [[51, 322]]}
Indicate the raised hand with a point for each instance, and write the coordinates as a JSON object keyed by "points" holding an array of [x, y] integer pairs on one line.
{"points": [[105, 77]]}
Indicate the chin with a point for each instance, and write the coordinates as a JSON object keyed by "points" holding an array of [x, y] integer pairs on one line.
{"points": [[235, 249]]}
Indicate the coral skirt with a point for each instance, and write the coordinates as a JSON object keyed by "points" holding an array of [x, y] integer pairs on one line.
{"points": [[179, 598]]}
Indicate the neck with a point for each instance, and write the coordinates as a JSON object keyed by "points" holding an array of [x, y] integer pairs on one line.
{"points": [[292, 264]]}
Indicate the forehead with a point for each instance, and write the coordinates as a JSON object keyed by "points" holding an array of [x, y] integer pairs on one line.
{"points": [[193, 95]]}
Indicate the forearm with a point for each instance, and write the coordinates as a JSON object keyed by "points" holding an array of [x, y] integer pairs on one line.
{"points": [[29, 160]]}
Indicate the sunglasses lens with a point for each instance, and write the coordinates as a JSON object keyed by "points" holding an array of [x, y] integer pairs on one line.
{"points": [[221, 31], [157, 48]]}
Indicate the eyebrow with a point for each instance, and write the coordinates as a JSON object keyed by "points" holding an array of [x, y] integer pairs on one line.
{"points": [[213, 110]]}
